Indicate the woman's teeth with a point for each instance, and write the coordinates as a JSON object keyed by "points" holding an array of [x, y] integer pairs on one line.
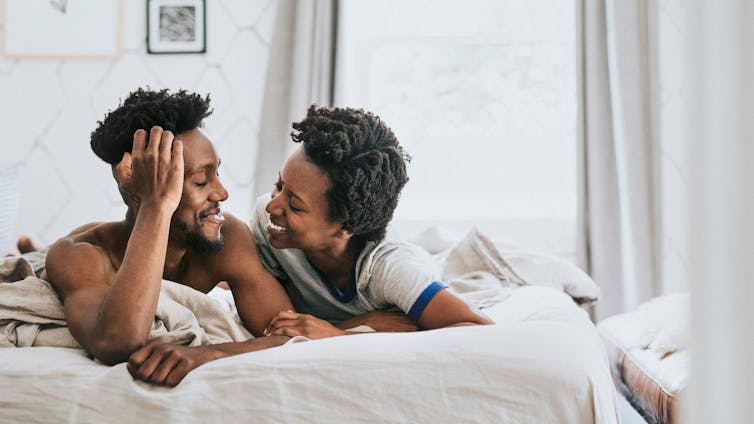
{"points": [[273, 226]]}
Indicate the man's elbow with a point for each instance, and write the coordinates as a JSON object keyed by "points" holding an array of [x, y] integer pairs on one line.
{"points": [[117, 349]]}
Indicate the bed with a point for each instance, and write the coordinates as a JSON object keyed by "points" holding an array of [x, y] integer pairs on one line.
{"points": [[649, 356], [543, 362]]}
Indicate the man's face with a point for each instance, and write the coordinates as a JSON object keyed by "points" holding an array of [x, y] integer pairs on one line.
{"points": [[198, 219]]}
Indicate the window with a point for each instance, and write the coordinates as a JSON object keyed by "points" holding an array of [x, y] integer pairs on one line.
{"points": [[482, 94]]}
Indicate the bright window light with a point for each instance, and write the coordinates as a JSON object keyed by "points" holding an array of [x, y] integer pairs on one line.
{"points": [[482, 94]]}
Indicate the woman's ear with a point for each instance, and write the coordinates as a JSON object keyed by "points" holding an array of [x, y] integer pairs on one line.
{"points": [[343, 234]]}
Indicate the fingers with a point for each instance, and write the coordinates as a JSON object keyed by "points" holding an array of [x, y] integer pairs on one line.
{"points": [[166, 151], [155, 137], [166, 144], [177, 152], [164, 369], [287, 331], [285, 315], [157, 359], [281, 323], [159, 363], [177, 374], [140, 142], [282, 315], [137, 358]]}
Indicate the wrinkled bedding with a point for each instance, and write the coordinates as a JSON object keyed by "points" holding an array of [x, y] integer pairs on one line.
{"points": [[543, 362]]}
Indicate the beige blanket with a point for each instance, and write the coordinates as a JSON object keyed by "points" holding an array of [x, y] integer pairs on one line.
{"points": [[31, 313]]}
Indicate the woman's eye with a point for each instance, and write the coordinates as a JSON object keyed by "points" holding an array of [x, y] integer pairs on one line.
{"points": [[293, 208], [276, 188], [201, 184]]}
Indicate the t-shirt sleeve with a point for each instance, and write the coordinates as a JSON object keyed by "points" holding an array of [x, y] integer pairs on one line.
{"points": [[259, 230], [405, 276]]}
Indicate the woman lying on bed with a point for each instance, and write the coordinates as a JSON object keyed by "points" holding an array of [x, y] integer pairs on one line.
{"points": [[321, 234]]}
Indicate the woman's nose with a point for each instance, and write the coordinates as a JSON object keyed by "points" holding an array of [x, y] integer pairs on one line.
{"points": [[273, 206]]}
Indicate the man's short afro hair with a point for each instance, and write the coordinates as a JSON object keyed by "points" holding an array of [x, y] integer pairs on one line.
{"points": [[365, 164], [177, 112]]}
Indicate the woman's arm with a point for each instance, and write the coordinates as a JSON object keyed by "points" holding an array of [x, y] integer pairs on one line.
{"points": [[448, 310], [445, 309]]}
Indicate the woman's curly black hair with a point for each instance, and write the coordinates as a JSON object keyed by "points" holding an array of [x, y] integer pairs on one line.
{"points": [[365, 164], [177, 112]]}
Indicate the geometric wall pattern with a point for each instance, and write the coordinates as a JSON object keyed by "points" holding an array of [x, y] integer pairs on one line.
{"points": [[48, 108]]}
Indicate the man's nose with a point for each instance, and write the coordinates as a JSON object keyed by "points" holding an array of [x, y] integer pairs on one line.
{"points": [[219, 194]]}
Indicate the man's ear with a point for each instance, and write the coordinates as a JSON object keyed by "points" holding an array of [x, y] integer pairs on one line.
{"points": [[122, 174]]}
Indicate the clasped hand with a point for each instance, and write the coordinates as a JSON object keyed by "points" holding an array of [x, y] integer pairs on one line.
{"points": [[291, 324], [153, 172], [167, 363]]}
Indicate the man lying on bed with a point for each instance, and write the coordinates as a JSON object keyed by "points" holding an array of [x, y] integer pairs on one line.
{"points": [[109, 274]]}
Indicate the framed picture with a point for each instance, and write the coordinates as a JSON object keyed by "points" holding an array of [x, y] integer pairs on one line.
{"points": [[68, 29], [176, 26]]}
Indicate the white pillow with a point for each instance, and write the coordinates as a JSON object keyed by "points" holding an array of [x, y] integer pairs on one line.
{"points": [[541, 269], [475, 252]]}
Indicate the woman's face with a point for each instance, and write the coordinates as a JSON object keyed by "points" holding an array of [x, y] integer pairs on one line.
{"points": [[299, 211]]}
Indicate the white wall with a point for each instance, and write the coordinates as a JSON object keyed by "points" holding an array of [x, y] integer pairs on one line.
{"points": [[672, 132], [48, 108]]}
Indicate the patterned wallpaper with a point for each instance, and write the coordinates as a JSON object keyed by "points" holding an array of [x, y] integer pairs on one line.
{"points": [[48, 108]]}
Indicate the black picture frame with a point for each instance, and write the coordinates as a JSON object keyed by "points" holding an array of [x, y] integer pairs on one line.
{"points": [[176, 26]]}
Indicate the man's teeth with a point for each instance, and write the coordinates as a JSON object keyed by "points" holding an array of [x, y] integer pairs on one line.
{"points": [[275, 227], [217, 217]]}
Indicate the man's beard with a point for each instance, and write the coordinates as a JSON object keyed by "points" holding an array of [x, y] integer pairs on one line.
{"points": [[203, 245], [198, 242]]}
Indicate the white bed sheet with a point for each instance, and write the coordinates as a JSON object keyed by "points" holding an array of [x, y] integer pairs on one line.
{"points": [[542, 363]]}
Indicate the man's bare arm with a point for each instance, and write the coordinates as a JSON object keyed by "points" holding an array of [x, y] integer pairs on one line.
{"points": [[258, 295], [167, 363], [111, 312]]}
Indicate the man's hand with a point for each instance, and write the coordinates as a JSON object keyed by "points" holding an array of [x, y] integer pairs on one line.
{"points": [[291, 324], [153, 172], [166, 363]]}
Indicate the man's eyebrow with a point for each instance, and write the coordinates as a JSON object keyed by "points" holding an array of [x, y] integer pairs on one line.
{"points": [[203, 168]]}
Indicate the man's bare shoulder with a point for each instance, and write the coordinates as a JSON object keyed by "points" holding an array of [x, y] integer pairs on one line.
{"points": [[234, 230], [238, 252], [80, 258]]}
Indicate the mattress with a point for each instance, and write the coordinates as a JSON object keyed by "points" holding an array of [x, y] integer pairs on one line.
{"points": [[542, 362], [648, 354]]}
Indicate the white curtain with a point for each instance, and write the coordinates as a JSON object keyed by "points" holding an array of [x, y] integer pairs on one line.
{"points": [[619, 186], [300, 72], [720, 61]]}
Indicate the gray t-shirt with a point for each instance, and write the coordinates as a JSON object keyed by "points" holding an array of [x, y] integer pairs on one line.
{"points": [[387, 275]]}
